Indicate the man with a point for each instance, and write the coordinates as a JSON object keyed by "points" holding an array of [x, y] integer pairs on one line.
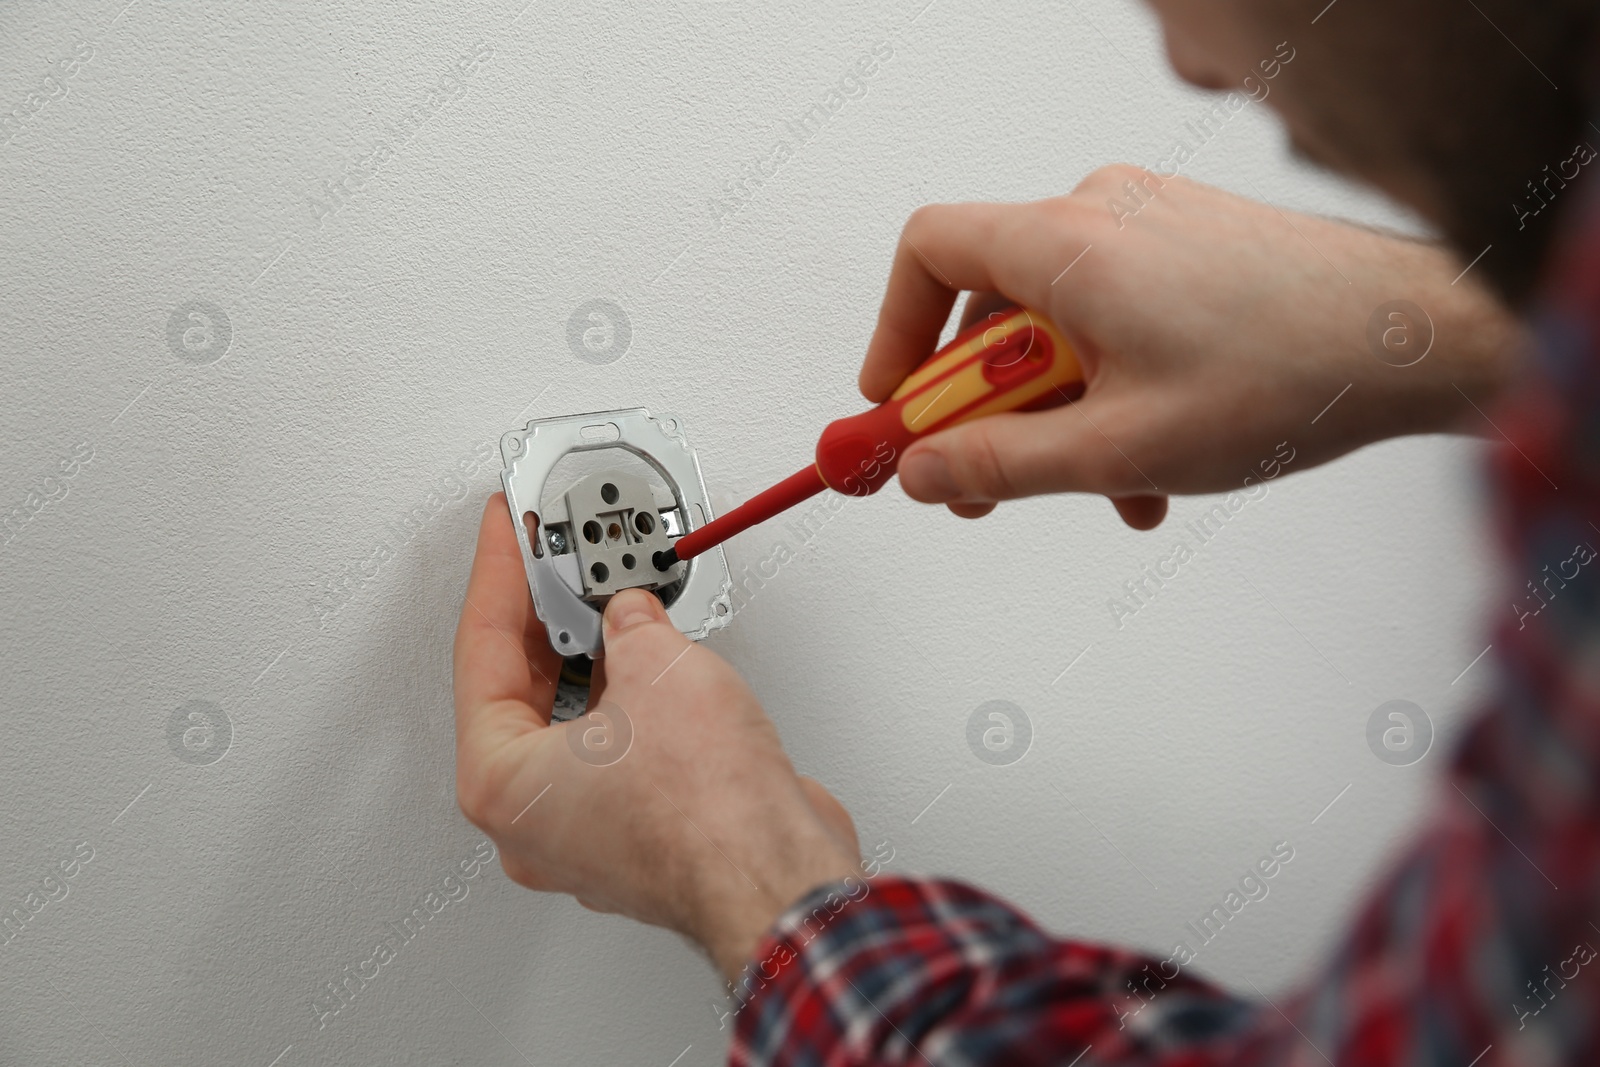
{"points": [[1210, 326]]}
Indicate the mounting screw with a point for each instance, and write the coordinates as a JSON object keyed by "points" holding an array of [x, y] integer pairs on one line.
{"points": [[558, 543]]}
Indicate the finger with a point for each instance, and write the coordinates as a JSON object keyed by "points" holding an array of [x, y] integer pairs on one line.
{"points": [[947, 248], [642, 645], [832, 813], [1002, 457], [916, 305], [982, 305], [1142, 512], [636, 610], [970, 511], [630, 608], [505, 669]]}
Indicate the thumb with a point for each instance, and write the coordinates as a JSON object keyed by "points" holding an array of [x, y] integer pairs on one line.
{"points": [[1002, 457], [640, 640], [629, 609]]}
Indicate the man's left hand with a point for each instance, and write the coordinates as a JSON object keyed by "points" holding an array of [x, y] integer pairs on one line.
{"points": [[670, 801]]}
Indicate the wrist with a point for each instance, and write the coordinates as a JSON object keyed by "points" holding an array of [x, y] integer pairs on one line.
{"points": [[1476, 349], [732, 913]]}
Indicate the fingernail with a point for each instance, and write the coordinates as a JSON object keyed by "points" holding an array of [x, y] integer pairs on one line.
{"points": [[926, 477], [630, 608]]}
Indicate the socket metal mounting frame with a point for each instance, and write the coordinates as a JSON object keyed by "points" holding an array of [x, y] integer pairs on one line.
{"points": [[530, 454]]}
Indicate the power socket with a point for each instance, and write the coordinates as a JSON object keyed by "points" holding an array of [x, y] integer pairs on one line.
{"points": [[614, 525], [586, 541]]}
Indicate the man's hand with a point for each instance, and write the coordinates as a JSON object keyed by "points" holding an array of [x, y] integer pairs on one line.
{"points": [[671, 802], [1211, 328]]}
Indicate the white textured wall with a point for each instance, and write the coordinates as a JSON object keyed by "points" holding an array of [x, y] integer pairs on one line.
{"points": [[222, 542]]}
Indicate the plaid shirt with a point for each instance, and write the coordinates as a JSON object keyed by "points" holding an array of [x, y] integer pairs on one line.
{"points": [[1474, 951]]}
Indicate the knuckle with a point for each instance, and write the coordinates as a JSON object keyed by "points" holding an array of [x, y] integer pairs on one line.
{"points": [[921, 220], [1054, 211], [519, 872], [471, 799], [1069, 224], [481, 792], [936, 225], [1111, 176]]}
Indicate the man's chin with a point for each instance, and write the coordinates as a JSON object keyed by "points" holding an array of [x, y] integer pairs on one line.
{"points": [[1312, 153]]}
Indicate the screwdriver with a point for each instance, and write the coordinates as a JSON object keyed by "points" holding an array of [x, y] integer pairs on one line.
{"points": [[1015, 360]]}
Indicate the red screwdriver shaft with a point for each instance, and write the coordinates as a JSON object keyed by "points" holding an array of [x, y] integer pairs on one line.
{"points": [[799, 486], [1012, 361]]}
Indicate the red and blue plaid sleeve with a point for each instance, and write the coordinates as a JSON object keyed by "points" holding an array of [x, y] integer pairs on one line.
{"points": [[904, 970]]}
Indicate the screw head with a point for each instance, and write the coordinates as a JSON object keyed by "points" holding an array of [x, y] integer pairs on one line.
{"points": [[558, 542]]}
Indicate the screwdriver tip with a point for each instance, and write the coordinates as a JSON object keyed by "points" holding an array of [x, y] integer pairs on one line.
{"points": [[665, 559]]}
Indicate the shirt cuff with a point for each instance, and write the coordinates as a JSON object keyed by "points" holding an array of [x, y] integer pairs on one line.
{"points": [[901, 970]]}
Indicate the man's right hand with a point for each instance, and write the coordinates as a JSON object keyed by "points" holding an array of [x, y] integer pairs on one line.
{"points": [[1211, 329]]}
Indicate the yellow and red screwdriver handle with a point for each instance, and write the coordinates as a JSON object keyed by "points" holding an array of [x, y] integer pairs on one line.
{"points": [[1014, 361]]}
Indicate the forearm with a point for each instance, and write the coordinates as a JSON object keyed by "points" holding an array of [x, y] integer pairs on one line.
{"points": [[1426, 348]]}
